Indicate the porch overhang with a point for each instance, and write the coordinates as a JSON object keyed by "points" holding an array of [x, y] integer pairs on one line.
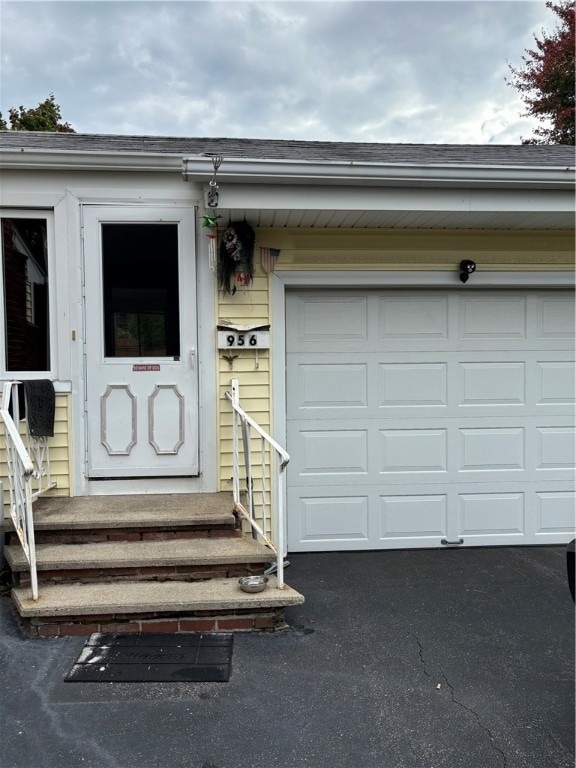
{"points": [[357, 195]]}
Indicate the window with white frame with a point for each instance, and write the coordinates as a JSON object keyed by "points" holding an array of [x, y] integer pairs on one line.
{"points": [[26, 344]]}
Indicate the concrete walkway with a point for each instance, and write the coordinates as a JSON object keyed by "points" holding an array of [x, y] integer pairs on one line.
{"points": [[421, 659]]}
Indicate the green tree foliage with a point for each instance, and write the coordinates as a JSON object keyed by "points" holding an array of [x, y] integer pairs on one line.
{"points": [[45, 117], [546, 80]]}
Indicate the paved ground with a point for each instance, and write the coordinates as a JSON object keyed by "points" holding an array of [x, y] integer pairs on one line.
{"points": [[422, 659]]}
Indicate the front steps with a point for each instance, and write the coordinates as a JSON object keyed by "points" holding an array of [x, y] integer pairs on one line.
{"points": [[143, 564], [172, 559]]}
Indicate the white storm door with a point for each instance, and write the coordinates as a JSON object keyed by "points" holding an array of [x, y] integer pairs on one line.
{"points": [[141, 338]]}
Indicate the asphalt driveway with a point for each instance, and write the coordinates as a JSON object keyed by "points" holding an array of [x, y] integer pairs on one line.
{"points": [[420, 659]]}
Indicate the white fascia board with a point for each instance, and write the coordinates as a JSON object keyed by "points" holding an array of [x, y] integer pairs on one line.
{"points": [[289, 197], [331, 172], [57, 160]]}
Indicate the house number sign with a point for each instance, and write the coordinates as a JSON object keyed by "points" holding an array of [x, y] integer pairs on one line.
{"points": [[234, 339]]}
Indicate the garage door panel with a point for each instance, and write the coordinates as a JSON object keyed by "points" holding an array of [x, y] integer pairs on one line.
{"points": [[554, 512], [452, 419], [464, 448], [332, 385], [555, 317], [491, 513], [493, 317], [492, 383], [413, 450], [333, 452], [406, 384], [326, 318], [555, 382], [336, 521], [492, 448], [555, 448], [413, 517], [476, 386], [406, 316]]}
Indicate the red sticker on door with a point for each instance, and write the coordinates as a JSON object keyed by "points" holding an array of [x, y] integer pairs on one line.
{"points": [[146, 367]]}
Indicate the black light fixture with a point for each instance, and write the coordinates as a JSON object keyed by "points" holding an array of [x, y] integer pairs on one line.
{"points": [[466, 269]]}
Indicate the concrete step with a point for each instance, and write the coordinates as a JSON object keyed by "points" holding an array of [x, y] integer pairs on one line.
{"points": [[132, 554], [62, 520], [215, 605], [133, 511]]}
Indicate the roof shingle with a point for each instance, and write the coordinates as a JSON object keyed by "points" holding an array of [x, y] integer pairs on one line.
{"points": [[527, 155]]}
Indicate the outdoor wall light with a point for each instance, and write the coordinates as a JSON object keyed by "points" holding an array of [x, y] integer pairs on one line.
{"points": [[466, 269]]}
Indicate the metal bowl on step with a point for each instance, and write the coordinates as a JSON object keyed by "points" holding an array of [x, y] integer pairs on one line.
{"points": [[253, 583]]}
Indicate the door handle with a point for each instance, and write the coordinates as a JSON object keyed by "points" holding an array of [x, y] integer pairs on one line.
{"points": [[452, 543]]}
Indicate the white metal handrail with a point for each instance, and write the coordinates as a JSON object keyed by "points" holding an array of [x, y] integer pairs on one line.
{"points": [[273, 462], [28, 475]]}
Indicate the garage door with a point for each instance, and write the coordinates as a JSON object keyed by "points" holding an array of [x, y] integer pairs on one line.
{"points": [[430, 418]]}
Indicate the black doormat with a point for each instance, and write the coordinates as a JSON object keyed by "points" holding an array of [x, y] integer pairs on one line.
{"points": [[154, 658]]}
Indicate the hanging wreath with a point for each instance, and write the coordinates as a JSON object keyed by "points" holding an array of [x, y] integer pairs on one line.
{"points": [[236, 257]]}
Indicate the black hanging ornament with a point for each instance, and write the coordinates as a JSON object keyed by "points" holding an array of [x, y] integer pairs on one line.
{"points": [[236, 257]]}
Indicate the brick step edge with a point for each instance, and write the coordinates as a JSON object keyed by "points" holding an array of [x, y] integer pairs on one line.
{"points": [[251, 620], [139, 573]]}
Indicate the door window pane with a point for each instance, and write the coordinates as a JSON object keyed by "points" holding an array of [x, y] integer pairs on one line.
{"points": [[26, 313], [140, 268]]}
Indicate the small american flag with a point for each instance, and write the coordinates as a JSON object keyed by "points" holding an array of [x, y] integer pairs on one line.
{"points": [[269, 257]]}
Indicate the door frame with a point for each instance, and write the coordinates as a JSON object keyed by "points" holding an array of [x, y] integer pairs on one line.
{"points": [[377, 279], [206, 481]]}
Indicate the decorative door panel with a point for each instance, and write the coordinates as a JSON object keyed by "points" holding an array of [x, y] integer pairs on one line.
{"points": [[141, 336]]}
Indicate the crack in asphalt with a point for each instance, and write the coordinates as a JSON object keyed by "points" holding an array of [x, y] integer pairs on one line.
{"points": [[477, 716], [459, 703], [421, 654]]}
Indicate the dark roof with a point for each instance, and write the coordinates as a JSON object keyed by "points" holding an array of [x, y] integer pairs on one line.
{"points": [[528, 155]]}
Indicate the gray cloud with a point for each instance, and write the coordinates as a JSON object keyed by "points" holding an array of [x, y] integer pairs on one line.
{"points": [[365, 71]]}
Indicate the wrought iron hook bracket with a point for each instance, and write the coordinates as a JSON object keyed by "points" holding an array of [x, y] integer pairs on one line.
{"points": [[212, 194]]}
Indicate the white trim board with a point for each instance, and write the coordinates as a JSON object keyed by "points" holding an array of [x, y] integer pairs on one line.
{"points": [[427, 279]]}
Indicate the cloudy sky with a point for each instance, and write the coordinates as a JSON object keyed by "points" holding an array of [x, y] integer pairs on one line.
{"points": [[424, 71]]}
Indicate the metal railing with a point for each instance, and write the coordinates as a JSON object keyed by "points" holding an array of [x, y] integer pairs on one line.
{"points": [[28, 468], [272, 466]]}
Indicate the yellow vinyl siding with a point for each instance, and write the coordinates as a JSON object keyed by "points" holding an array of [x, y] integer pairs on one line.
{"points": [[248, 306], [59, 450], [421, 249]]}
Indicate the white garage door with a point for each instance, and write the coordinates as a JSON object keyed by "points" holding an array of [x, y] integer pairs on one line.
{"points": [[425, 418]]}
